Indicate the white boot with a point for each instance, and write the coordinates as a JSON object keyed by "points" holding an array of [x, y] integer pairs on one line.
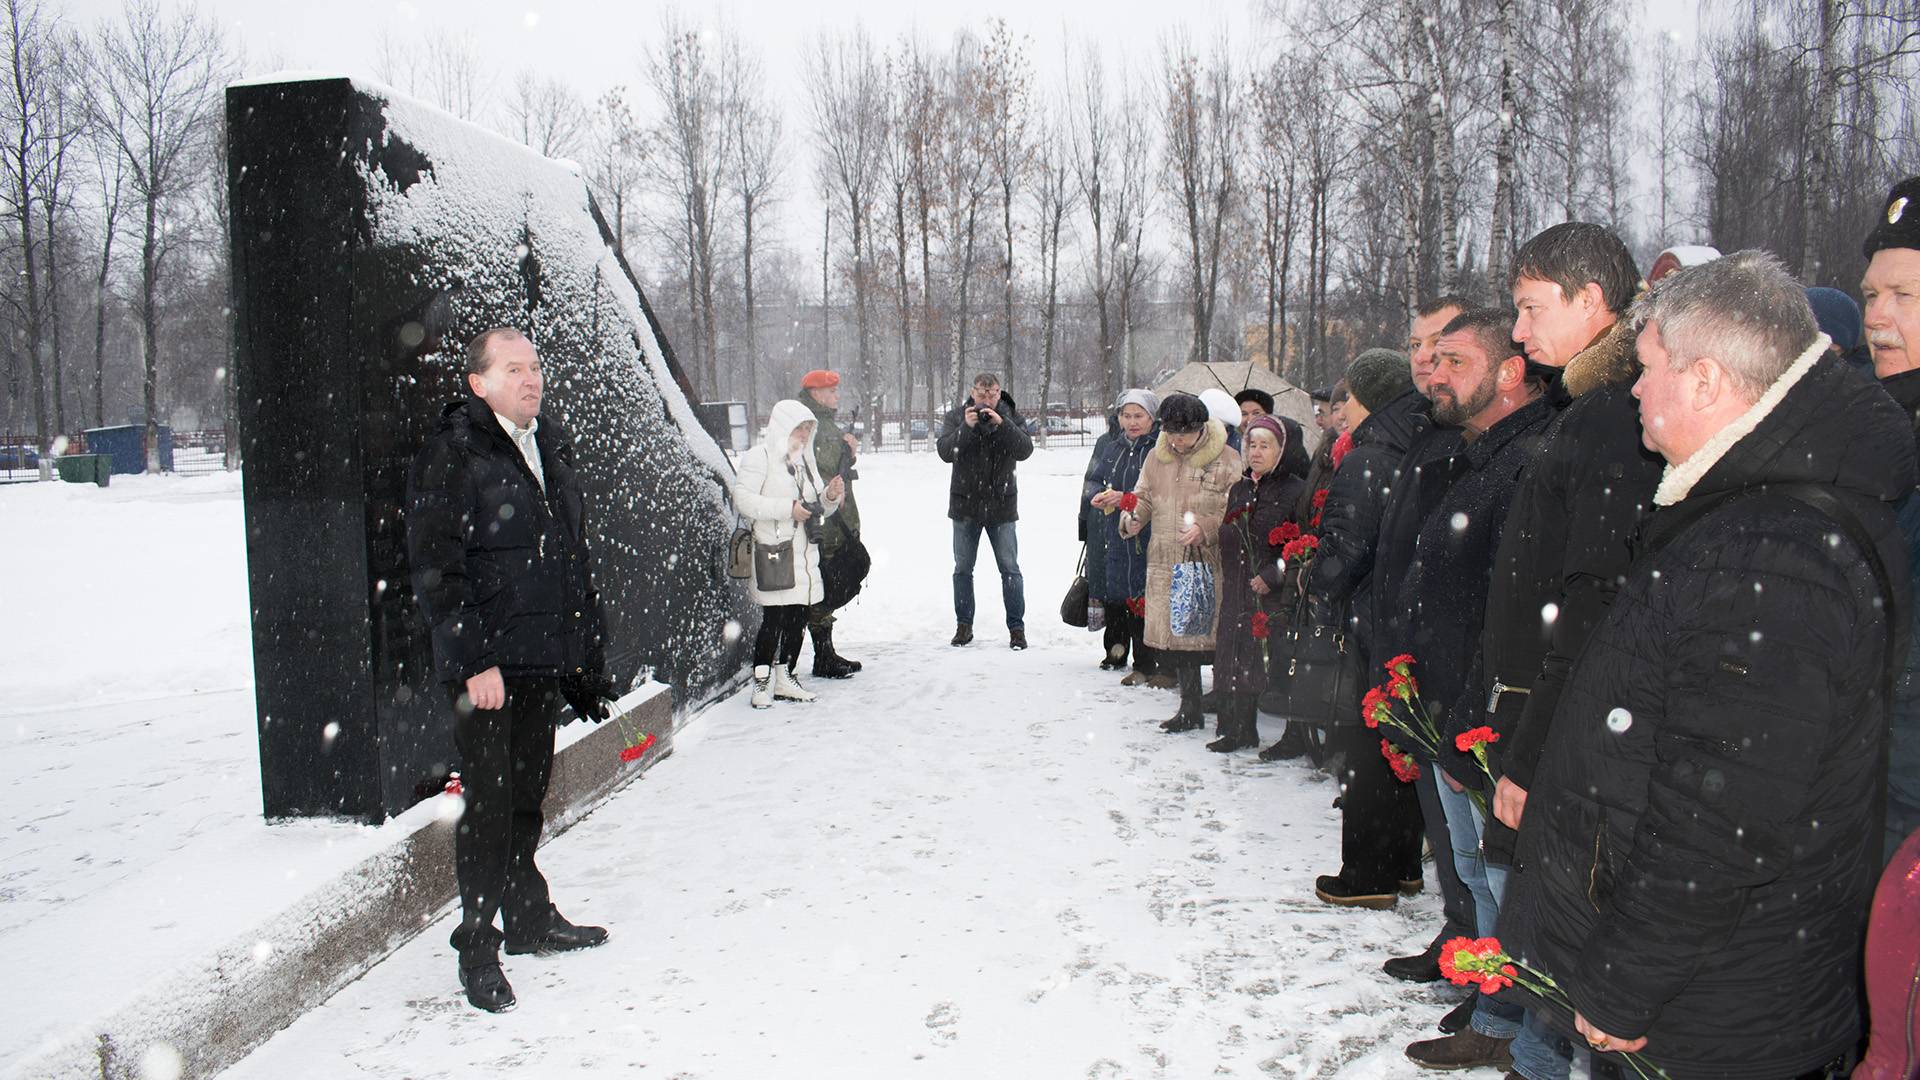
{"points": [[762, 692], [786, 686]]}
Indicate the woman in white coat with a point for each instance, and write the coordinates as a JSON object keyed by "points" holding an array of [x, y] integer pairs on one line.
{"points": [[779, 490]]}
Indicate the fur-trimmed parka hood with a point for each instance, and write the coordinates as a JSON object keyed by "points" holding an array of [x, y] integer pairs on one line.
{"points": [[1610, 360], [1211, 443]]}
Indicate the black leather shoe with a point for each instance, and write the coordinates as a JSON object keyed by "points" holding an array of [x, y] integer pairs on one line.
{"points": [[1292, 744], [963, 634], [1335, 890], [560, 936], [1227, 744], [1419, 968], [1459, 1016], [1466, 1050], [1182, 722], [487, 988]]}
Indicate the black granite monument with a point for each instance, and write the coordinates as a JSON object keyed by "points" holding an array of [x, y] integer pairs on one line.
{"points": [[372, 236]]}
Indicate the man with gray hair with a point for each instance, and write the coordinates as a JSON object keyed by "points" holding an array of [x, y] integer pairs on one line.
{"points": [[1702, 835]]}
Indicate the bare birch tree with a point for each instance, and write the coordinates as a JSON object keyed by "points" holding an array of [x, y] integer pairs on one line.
{"points": [[846, 91], [1202, 125]]}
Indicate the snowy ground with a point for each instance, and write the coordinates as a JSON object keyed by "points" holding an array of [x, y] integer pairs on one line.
{"points": [[960, 863]]}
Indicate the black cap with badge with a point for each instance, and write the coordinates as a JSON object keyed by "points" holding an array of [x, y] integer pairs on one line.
{"points": [[1898, 225]]}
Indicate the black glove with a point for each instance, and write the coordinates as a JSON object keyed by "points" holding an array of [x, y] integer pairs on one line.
{"points": [[591, 696]]}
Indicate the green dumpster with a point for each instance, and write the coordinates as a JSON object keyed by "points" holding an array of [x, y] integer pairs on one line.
{"points": [[85, 468]]}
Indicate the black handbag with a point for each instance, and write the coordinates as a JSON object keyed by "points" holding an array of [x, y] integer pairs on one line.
{"points": [[1312, 677], [843, 575], [773, 566], [1073, 609]]}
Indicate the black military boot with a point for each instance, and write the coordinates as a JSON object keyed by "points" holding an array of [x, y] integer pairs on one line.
{"points": [[828, 664]]}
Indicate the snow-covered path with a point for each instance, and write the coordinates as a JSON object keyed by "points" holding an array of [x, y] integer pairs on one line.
{"points": [[961, 863]]}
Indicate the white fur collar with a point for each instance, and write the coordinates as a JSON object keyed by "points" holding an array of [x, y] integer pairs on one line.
{"points": [[1677, 482]]}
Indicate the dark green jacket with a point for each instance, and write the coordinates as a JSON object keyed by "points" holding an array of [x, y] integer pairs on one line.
{"points": [[830, 453]]}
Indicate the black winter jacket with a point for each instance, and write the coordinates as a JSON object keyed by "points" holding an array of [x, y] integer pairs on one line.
{"points": [[501, 572], [1435, 558], [1563, 552], [1257, 508], [1341, 574], [1700, 842], [983, 487]]}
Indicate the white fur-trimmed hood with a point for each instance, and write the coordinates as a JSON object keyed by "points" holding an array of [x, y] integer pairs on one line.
{"points": [[1678, 481]]}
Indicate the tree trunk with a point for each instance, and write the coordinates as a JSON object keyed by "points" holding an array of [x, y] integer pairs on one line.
{"points": [[906, 310], [753, 322], [1500, 244], [150, 329], [1819, 183], [826, 293]]}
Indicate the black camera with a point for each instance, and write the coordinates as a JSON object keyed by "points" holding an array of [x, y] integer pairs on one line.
{"points": [[812, 524]]}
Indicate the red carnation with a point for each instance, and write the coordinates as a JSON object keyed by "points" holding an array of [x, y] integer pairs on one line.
{"points": [[454, 786], [1138, 606], [1129, 501], [1315, 523], [1376, 706], [1402, 763], [1464, 960], [1283, 533], [1299, 548], [1235, 513], [632, 753], [1260, 625], [1320, 499], [1475, 740]]}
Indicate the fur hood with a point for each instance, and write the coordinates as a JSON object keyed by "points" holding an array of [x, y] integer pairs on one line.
{"points": [[1609, 361], [1211, 443]]}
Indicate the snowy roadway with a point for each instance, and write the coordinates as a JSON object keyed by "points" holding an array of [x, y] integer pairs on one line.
{"points": [[961, 863]]}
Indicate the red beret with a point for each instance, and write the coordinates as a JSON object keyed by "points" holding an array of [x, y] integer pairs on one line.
{"points": [[819, 380]]}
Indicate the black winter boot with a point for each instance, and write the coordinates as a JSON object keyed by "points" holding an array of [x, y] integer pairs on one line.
{"points": [[1292, 744], [1238, 729], [828, 664], [1189, 717]]}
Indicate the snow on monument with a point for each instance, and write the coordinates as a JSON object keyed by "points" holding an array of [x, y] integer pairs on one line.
{"points": [[372, 236]]}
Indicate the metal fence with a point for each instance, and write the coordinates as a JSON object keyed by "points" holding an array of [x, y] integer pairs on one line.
{"points": [[195, 453], [902, 433]]}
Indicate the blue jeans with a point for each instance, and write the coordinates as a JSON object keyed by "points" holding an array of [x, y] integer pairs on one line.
{"points": [[1494, 1019], [1539, 1052], [1006, 553]]}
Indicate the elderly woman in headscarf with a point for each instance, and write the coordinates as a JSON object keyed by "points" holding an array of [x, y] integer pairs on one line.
{"points": [[779, 491], [1251, 597], [1124, 579], [1183, 488]]}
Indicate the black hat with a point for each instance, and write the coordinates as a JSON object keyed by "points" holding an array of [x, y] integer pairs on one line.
{"points": [[1258, 397], [1321, 393], [1898, 225], [1182, 413], [1377, 376]]}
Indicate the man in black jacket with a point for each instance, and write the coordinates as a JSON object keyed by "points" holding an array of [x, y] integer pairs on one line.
{"points": [[1430, 589], [497, 546], [1564, 548], [1891, 289], [983, 438], [1700, 842]]}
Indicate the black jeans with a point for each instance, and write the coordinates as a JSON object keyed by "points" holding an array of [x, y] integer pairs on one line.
{"points": [[1380, 822], [782, 630], [506, 755]]}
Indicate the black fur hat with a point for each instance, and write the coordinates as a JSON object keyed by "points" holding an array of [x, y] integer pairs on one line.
{"points": [[1898, 225], [1182, 413]]}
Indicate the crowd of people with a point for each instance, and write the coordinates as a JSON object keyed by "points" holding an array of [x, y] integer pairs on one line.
{"points": [[1630, 563]]}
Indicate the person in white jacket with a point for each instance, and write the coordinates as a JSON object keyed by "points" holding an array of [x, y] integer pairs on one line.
{"points": [[778, 489]]}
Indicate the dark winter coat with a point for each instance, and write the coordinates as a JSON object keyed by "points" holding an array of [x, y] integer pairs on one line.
{"points": [[1435, 557], [1564, 550], [1319, 474], [833, 458], [1701, 837], [501, 571], [1256, 507], [1088, 520], [1125, 574], [983, 458], [1903, 756], [1295, 461], [1340, 576]]}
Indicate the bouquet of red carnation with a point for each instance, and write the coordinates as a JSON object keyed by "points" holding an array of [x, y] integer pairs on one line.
{"points": [[1301, 548], [1396, 704], [1485, 963], [1138, 606], [1405, 769], [1280, 534]]}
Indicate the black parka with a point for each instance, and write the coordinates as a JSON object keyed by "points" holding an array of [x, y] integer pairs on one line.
{"points": [[501, 571], [1341, 574], [983, 487], [1563, 551], [1256, 507], [1436, 547], [1700, 842]]}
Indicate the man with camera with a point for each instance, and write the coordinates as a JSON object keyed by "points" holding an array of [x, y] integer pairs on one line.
{"points": [[843, 558], [497, 545], [983, 438]]}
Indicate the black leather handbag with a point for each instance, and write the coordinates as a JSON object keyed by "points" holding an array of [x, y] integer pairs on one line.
{"points": [[1073, 609], [773, 566], [1312, 677]]}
